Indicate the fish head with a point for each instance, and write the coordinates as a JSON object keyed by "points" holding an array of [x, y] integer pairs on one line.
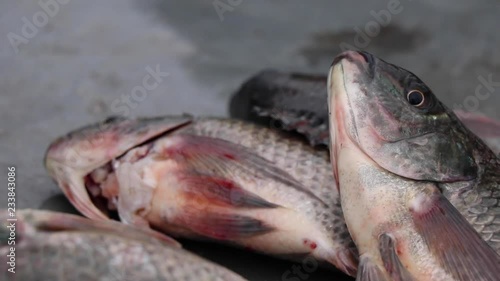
{"points": [[71, 157], [396, 120]]}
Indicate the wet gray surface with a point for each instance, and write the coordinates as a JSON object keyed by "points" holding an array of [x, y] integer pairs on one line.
{"points": [[84, 63]]}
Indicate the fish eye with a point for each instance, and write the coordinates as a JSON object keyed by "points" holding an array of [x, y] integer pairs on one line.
{"points": [[416, 98]]}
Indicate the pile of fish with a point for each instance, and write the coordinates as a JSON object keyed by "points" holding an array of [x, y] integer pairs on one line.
{"points": [[207, 178], [392, 185], [420, 192]]}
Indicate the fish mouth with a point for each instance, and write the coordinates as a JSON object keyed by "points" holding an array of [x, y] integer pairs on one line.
{"points": [[69, 160], [353, 68], [353, 64], [72, 184], [361, 59]]}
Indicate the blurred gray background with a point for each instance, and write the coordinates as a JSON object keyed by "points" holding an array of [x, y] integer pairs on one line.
{"points": [[77, 62]]}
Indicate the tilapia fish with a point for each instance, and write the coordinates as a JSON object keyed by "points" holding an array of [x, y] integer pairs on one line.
{"points": [[296, 102], [419, 191], [59, 247], [219, 179]]}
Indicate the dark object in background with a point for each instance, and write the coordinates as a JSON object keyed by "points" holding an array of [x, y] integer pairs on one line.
{"points": [[297, 102], [288, 101]]}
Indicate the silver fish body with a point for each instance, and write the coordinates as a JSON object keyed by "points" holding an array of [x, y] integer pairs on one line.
{"points": [[56, 246], [212, 178], [420, 192]]}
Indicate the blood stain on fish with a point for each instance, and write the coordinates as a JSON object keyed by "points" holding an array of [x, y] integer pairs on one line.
{"points": [[229, 156], [311, 244]]}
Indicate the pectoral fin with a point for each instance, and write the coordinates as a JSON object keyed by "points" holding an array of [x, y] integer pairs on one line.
{"points": [[220, 191], [223, 226], [216, 207], [391, 260], [392, 270], [210, 205], [219, 157], [453, 241], [368, 270]]}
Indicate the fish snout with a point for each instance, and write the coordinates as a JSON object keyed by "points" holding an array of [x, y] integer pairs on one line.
{"points": [[364, 61], [353, 56]]}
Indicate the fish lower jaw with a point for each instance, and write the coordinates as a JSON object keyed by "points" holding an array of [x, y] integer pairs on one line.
{"points": [[339, 138]]}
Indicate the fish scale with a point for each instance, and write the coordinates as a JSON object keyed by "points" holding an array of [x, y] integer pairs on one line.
{"points": [[58, 247], [480, 204], [301, 161], [485, 214], [214, 178]]}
